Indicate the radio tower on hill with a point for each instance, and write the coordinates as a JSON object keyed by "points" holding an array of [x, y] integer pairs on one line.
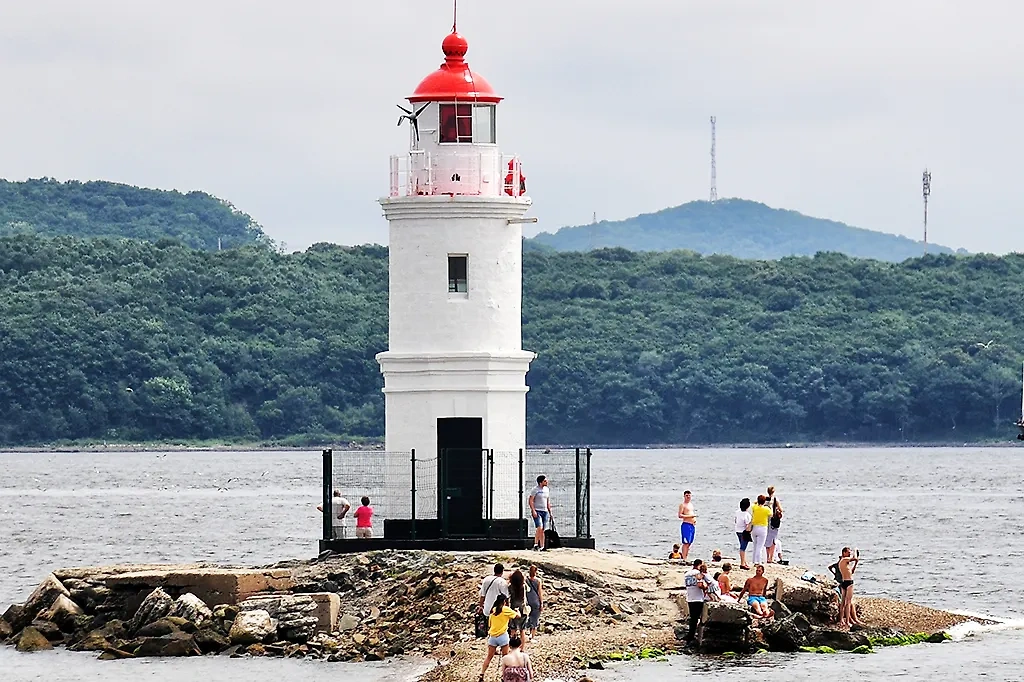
{"points": [[926, 191], [714, 169]]}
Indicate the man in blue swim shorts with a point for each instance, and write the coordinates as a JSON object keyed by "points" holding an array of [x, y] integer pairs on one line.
{"points": [[754, 590], [688, 528]]}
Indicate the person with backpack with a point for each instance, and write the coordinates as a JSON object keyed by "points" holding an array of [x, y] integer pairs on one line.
{"points": [[491, 588]]}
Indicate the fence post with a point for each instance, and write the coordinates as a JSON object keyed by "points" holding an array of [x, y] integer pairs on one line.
{"points": [[522, 521], [442, 490], [589, 505], [579, 497], [412, 459], [328, 476], [490, 493]]}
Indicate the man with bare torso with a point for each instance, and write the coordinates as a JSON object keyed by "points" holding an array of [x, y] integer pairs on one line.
{"points": [[754, 589], [843, 571], [688, 527]]}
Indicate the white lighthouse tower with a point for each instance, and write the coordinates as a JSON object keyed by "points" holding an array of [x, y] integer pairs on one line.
{"points": [[455, 371]]}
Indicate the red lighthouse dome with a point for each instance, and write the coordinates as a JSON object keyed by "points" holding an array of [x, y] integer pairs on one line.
{"points": [[454, 80]]}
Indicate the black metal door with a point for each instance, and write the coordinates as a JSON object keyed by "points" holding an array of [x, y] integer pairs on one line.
{"points": [[460, 471]]}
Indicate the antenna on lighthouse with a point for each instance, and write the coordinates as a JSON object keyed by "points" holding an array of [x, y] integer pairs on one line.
{"points": [[926, 191], [714, 169], [455, 15]]}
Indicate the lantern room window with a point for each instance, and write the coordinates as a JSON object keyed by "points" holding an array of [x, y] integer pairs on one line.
{"points": [[467, 123]]}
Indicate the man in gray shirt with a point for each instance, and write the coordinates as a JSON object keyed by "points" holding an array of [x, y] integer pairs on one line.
{"points": [[540, 510], [490, 588]]}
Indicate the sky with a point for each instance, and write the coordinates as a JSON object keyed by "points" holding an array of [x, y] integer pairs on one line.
{"points": [[287, 110]]}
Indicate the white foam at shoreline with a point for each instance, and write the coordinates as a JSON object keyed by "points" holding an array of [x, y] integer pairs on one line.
{"points": [[970, 628]]}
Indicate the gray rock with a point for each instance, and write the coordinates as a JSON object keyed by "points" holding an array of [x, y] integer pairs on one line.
{"points": [[783, 635], [210, 641], [161, 627], [177, 644], [33, 640], [348, 622], [251, 627], [50, 630], [156, 605], [727, 615], [43, 596], [780, 610], [837, 639], [62, 612], [192, 608], [5, 630]]}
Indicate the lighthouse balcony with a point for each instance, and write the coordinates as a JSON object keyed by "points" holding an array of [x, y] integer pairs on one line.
{"points": [[477, 173]]}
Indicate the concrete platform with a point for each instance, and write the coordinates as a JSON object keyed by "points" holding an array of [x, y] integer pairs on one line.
{"points": [[352, 545]]}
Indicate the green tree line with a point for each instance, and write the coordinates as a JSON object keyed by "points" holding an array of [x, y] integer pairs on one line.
{"points": [[108, 209], [127, 340]]}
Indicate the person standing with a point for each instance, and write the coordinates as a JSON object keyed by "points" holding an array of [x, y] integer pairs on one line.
{"points": [[535, 598], [515, 665], [490, 588], [774, 523], [540, 510], [844, 570], [339, 509], [696, 586], [759, 515], [741, 524], [688, 527], [517, 602], [498, 619], [364, 520]]}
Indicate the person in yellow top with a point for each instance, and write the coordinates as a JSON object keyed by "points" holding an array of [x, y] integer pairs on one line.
{"points": [[759, 515], [497, 631]]}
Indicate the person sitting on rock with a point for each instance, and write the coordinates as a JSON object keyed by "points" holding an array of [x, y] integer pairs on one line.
{"points": [[675, 552], [724, 585], [755, 589], [711, 590]]}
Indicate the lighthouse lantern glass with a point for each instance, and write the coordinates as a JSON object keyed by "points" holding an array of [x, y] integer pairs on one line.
{"points": [[466, 123]]}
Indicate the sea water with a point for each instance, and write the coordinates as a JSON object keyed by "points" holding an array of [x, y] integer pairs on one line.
{"points": [[938, 526]]}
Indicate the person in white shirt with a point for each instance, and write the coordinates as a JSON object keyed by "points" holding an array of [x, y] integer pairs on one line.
{"points": [[339, 509], [697, 583], [540, 510], [742, 527], [490, 588]]}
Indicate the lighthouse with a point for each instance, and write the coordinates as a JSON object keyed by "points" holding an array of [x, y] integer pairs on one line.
{"points": [[455, 370]]}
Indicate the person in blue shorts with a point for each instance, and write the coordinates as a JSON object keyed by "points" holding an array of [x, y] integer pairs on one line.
{"points": [[688, 527], [755, 590], [540, 509]]}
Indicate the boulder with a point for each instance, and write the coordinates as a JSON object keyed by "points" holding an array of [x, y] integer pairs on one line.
{"points": [[726, 615], [100, 638], [161, 627], [13, 615], [251, 627], [191, 608], [177, 644], [784, 635], [725, 627], [5, 630], [780, 610], [156, 605], [43, 596], [806, 597], [49, 630], [33, 640], [210, 641], [836, 639], [62, 612], [348, 622]]}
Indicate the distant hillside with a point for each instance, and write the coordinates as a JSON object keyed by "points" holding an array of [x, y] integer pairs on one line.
{"points": [[107, 209], [735, 227]]}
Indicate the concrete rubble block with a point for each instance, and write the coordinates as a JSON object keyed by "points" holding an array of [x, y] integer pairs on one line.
{"points": [[252, 627], [802, 595], [328, 610], [42, 597], [214, 586], [191, 608], [155, 606], [726, 615]]}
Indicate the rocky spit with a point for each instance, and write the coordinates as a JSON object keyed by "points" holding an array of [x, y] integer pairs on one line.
{"points": [[599, 606]]}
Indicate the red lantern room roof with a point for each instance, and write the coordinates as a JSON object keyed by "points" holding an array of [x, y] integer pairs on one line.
{"points": [[454, 80]]}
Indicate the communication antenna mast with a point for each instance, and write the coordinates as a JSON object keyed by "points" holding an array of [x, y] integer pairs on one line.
{"points": [[926, 191], [714, 169]]}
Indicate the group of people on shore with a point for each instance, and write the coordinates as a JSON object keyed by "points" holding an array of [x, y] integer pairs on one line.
{"points": [[512, 610], [758, 525]]}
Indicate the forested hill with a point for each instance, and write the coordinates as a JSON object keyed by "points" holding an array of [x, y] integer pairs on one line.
{"points": [[734, 227], [127, 341], [108, 209]]}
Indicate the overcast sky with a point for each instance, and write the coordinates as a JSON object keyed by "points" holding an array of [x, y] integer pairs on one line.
{"points": [[288, 110]]}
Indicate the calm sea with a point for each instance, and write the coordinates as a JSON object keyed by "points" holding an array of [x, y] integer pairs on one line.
{"points": [[940, 526]]}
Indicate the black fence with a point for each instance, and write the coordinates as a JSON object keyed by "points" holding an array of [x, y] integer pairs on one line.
{"points": [[456, 493]]}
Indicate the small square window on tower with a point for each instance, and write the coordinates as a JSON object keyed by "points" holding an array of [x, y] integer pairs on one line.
{"points": [[457, 274]]}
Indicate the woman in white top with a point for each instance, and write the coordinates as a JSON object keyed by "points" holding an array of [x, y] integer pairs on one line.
{"points": [[742, 528]]}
